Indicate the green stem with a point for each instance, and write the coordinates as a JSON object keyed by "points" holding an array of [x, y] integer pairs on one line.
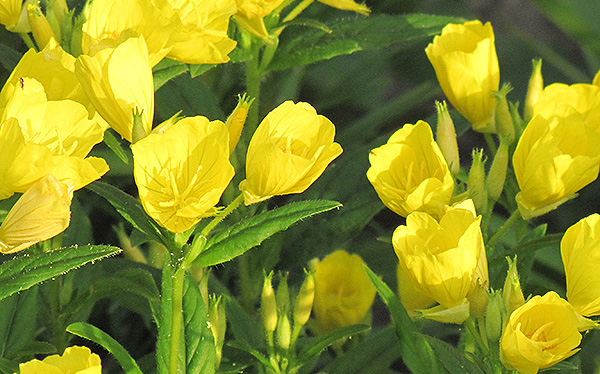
{"points": [[222, 214], [253, 77], [297, 10], [504, 228], [470, 324], [490, 143], [27, 39]]}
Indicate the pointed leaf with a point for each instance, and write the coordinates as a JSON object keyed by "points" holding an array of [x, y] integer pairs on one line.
{"points": [[249, 233], [113, 143], [18, 322], [167, 70], [24, 271], [328, 339], [451, 358], [89, 332]]}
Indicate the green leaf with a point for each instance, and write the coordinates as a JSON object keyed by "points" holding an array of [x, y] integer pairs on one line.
{"points": [[132, 211], [113, 143], [352, 35], [9, 58], [166, 70], [328, 339], [8, 367], [18, 322], [411, 345], [259, 356], [242, 236], [190, 96], [243, 326], [451, 358], [373, 355], [26, 270], [196, 70], [89, 332]]}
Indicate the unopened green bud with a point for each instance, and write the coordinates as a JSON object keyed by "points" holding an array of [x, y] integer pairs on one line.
{"points": [[534, 89], [236, 120], [40, 28], [497, 174], [284, 332], [283, 295], [304, 300], [446, 137], [476, 182], [512, 293], [138, 131], [218, 323], [268, 305], [478, 300], [494, 316], [58, 9], [504, 122]]}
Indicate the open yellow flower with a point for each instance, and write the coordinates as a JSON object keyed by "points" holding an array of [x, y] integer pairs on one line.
{"points": [[409, 173], [10, 11], [290, 149], [539, 334], [554, 159], [445, 259], [580, 252], [560, 100], [75, 360], [41, 213], [181, 172], [118, 80], [465, 62], [343, 291]]}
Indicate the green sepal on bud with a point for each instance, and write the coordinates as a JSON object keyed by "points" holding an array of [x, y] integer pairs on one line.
{"points": [[534, 89], [218, 324], [504, 122], [284, 332], [268, 305], [304, 300], [236, 120], [497, 173], [446, 137], [476, 181], [512, 294], [138, 132], [494, 316]]}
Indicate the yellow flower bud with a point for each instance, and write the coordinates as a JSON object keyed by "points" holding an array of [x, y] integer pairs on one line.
{"points": [[503, 118], [236, 120], [290, 149], [218, 323], [561, 100], [348, 5], [476, 182], [534, 89], [304, 300], [512, 295], [41, 213], [409, 173], [42, 32], [446, 137], [580, 251], [343, 291], [554, 159], [118, 80], [494, 315], [268, 305], [497, 175], [75, 360], [284, 331], [442, 258], [539, 334], [10, 11], [466, 65], [182, 172]]}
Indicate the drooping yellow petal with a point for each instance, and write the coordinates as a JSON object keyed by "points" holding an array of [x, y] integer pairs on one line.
{"points": [[75, 360], [42, 212]]}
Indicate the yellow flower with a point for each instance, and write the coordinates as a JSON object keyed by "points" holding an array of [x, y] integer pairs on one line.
{"points": [[343, 291], [181, 172], [580, 251], [554, 159], [466, 65], [10, 11], [348, 5], [445, 260], [41, 213], [410, 173], [560, 100], [75, 360], [539, 334], [118, 80], [256, 8], [410, 297], [46, 137], [290, 149]]}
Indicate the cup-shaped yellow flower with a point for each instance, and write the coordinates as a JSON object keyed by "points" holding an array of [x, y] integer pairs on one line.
{"points": [[539, 334], [75, 360], [289, 150], [410, 297], [10, 11], [118, 80], [443, 259], [554, 159], [559, 99], [409, 173], [580, 251], [343, 291], [181, 172], [42, 212], [465, 62]]}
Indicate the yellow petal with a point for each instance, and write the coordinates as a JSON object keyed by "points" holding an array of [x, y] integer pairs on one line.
{"points": [[75, 360]]}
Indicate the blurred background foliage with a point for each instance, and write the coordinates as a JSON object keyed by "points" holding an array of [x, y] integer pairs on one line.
{"points": [[367, 95]]}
